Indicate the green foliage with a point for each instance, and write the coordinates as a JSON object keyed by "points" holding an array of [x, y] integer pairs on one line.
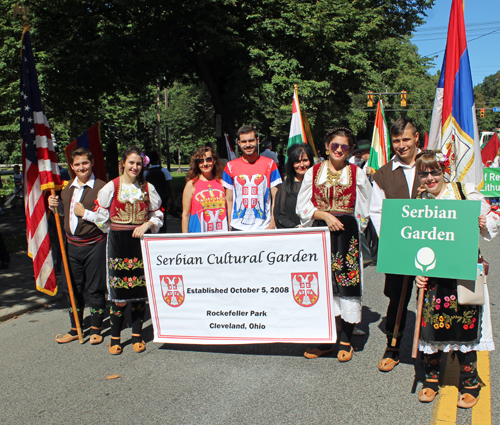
{"points": [[487, 95]]}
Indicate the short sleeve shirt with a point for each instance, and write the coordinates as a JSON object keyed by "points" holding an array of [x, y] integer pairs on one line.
{"points": [[251, 185]]}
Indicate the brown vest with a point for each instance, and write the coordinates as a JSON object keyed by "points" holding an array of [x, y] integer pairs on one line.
{"points": [[89, 195], [394, 184]]}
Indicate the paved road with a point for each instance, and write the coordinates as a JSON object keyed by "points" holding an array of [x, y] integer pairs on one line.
{"points": [[47, 383]]}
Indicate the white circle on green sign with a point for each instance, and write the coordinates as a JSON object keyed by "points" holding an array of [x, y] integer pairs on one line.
{"points": [[426, 258]]}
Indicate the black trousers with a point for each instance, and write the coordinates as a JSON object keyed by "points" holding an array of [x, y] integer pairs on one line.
{"points": [[392, 289], [87, 266]]}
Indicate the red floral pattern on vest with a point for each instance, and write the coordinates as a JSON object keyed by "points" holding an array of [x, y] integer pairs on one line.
{"points": [[121, 212], [331, 195]]}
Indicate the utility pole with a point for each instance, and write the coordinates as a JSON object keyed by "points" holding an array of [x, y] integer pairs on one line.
{"points": [[158, 126], [166, 132]]}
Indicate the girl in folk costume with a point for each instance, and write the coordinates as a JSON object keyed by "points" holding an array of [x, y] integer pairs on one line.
{"points": [[336, 194], [204, 199], [128, 207], [447, 325]]}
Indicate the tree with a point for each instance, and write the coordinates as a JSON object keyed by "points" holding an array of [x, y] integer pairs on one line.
{"points": [[487, 95]]}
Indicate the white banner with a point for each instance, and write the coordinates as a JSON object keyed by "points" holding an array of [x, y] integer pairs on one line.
{"points": [[240, 287]]}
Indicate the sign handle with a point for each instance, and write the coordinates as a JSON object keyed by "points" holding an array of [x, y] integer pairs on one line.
{"points": [[416, 335], [402, 300]]}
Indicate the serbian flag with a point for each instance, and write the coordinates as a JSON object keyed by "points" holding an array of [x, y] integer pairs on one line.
{"points": [[454, 127], [379, 151], [426, 140], [40, 170], [91, 140], [490, 150], [230, 153], [297, 133]]}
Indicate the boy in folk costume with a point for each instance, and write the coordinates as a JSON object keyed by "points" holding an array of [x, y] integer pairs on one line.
{"points": [[86, 244], [395, 180]]}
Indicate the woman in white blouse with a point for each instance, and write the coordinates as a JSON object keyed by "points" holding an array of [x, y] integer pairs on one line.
{"points": [[446, 324], [128, 207], [336, 194]]}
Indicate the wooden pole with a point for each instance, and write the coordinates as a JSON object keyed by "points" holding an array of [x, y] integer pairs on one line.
{"points": [[66, 269], [400, 311], [416, 335]]}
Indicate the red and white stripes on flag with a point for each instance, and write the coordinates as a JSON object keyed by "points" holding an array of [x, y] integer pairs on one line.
{"points": [[40, 170]]}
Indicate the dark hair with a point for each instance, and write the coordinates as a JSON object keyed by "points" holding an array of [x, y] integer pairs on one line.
{"points": [[399, 126], [194, 168], [427, 160], [80, 152], [343, 132], [267, 144], [293, 155], [244, 129], [140, 178], [153, 157]]}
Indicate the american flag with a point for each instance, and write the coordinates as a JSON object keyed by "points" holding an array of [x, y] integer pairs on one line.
{"points": [[40, 170]]}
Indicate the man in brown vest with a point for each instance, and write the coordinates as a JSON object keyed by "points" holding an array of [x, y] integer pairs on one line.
{"points": [[395, 180], [86, 244]]}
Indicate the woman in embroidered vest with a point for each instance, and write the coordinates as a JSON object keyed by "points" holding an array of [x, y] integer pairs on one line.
{"points": [[300, 159], [446, 325], [128, 208], [204, 198], [336, 194]]}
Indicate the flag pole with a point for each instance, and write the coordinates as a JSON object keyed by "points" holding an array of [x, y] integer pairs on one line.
{"points": [[402, 300], [66, 270]]}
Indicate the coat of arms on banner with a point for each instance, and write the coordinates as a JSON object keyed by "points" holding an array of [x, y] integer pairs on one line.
{"points": [[305, 288], [172, 289]]}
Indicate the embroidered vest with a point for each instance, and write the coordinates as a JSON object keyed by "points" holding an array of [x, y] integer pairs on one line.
{"points": [[121, 212], [393, 182], [332, 195], [89, 195]]}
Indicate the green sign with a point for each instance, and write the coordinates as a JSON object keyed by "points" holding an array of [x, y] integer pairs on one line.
{"points": [[491, 186], [437, 238]]}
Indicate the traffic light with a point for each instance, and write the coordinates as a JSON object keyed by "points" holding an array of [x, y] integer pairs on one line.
{"points": [[403, 98], [482, 112], [370, 99]]}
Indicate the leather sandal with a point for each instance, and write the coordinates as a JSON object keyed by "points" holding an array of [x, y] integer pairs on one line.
{"points": [[314, 353], [426, 395], [343, 355], [387, 364], [466, 401], [95, 339], [66, 338], [114, 349], [139, 347]]}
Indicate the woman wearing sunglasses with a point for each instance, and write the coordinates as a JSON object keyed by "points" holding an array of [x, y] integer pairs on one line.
{"points": [[336, 194], [446, 325], [204, 200]]}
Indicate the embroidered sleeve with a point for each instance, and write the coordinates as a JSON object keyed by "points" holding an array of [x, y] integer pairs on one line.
{"points": [[305, 208], [104, 198], [155, 214], [363, 196]]}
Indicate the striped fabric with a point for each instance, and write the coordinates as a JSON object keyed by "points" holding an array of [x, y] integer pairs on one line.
{"points": [[379, 151], [40, 171]]}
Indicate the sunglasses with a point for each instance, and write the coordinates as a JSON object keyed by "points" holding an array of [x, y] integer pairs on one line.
{"points": [[208, 160], [334, 146], [425, 174]]}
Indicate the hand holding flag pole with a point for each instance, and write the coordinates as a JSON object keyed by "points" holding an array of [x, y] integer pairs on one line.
{"points": [[40, 174]]}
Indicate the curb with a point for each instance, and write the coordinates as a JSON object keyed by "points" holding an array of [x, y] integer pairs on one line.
{"points": [[34, 305]]}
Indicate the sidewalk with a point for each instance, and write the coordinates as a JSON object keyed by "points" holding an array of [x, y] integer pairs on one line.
{"points": [[18, 293]]}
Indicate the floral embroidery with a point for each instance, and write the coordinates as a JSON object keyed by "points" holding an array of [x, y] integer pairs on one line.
{"points": [[118, 313], [352, 276], [432, 314], [97, 311], [125, 263], [127, 282]]}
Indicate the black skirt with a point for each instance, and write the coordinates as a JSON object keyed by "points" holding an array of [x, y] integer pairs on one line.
{"points": [[444, 321], [346, 271], [126, 280]]}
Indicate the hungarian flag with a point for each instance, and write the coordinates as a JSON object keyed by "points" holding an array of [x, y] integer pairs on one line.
{"points": [[379, 151], [490, 150], [454, 127], [297, 133], [40, 170], [91, 140]]}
